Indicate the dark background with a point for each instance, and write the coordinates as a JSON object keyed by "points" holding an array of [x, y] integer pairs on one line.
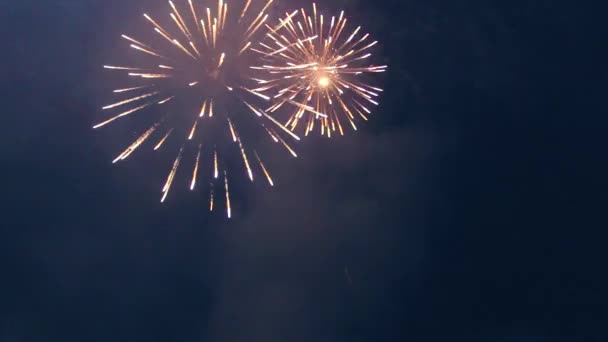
{"points": [[468, 209]]}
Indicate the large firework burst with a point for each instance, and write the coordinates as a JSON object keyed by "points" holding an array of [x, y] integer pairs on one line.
{"points": [[318, 68], [191, 79]]}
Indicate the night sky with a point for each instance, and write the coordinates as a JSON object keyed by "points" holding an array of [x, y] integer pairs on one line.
{"points": [[469, 208]]}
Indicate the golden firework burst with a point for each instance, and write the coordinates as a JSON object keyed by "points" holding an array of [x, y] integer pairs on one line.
{"points": [[199, 62], [318, 69]]}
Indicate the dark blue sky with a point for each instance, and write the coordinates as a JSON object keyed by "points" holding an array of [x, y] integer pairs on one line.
{"points": [[468, 209]]}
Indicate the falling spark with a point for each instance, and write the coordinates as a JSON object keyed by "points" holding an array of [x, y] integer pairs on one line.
{"points": [[293, 153], [194, 173], [249, 172], [215, 168], [202, 113], [232, 131], [169, 181], [211, 197], [126, 153], [266, 173], [228, 207], [193, 130], [162, 141]]}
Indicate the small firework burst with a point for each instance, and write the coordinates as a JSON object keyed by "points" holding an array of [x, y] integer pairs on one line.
{"points": [[192, 79], [317, 69]]}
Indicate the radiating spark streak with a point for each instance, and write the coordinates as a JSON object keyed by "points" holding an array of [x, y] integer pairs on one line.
{"points": [[256, 93], [120, 68], [228, 207], [283, 22], [126, 153], [150, 52], [202, 113], [165, 35], [133, 99], [179, 45], [215, 168], [194, 48], [179, 24], [195, 172], [219, 11], [257, 26], [254, 23], [293, 67], [162, 141], [181, 20], [287, 47], [135, 41], [363, 107], [194, 14], [258, 113], [224, 16], [211, 108], [149, 75], [171, 176], [293, 153], [209, 21], [130, 89], [121, 115], [245, 47], [211, 197], [232, 132], [272, 135], [193, 130], [166, 100], [220, 15], [281, 126], [192, 84], [245, 160], [266, 6], [266, 173], [308, 108], [155, 24], [204, 31], [245, 8]]}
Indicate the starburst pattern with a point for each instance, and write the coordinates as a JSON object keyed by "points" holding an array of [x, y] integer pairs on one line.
{"points": [[317, 69], [192, 82]]}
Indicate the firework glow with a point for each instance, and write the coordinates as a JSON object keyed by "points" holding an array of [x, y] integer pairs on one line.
{"points": [[201, 56], [317, 68]]}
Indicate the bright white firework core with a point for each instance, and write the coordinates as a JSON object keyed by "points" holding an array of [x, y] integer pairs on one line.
{"points": [[323, 81]]}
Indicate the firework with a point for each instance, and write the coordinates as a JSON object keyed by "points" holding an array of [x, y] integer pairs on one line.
{"points": [[317, 70], [192, 79]]}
